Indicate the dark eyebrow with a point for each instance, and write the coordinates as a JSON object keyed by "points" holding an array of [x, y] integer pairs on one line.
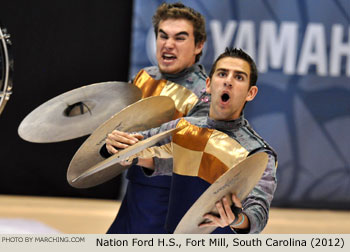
{"points": [[161, 31], [240, 72], [221, 69], [237, 72], [182, 33], [177, 34]]}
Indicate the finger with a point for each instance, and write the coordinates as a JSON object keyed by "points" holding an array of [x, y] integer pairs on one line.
{"points": [[221, 210], [230, 216], [132, 137], [121, 133], [115, 134], [236, 201], [111, 149], [137, 136], [125, 163], [210, 220], [222, 213], [122, 139], [116, 144], [206, 224]]}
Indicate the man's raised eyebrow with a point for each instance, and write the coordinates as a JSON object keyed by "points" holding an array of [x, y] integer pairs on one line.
{"points": [[222, 69], [241, 72], [236, 71]]}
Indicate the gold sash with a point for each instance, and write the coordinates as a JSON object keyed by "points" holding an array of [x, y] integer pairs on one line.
{"points": [[203, 152], [184, 99], [200, 152]]}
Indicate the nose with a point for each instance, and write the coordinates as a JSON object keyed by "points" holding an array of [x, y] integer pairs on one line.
{"points": [[169, 43], [227, 84], [229, 80]]}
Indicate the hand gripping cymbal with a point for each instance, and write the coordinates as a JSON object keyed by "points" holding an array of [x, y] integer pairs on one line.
{"points": [[145, 114], [95, 172], [239, 180]]}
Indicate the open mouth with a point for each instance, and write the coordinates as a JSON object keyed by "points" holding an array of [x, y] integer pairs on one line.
{"points": [[167, 56], [225, 97]]}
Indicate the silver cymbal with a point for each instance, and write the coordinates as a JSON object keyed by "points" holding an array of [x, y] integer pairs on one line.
{"points": [[145, 114], [78, 112], [122, 155], [239, 180]]}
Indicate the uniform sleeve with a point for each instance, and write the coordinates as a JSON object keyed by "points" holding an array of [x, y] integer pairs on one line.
{"points": [[164, 127], [257, 205], [146, 134], [161, 153], [163, 166]]}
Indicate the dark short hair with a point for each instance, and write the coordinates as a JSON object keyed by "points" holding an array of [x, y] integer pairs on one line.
{"points": [[240, 54], [180, 11]]}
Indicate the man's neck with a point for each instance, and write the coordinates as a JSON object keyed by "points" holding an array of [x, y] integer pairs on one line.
{"points": [[180, 74], [225, 125]]}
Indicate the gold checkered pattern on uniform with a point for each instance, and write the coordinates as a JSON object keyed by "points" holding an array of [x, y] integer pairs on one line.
{"points": [[203, 152]]}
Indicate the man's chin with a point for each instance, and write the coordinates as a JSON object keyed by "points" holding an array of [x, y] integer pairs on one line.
{"points": [[169, 69]]}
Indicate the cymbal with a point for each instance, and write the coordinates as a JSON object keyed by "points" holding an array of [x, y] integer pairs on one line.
{"points": [[122, 155], [145, 114], [239, 180], [78, 112]]}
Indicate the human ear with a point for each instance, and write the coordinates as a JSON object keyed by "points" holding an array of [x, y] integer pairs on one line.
{"points": [[198, 48], [252, 93], [208, 85]]}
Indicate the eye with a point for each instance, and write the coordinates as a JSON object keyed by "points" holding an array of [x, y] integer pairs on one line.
{"points": [[163, 36], [221, 74], [239, 77], [180, 38]]}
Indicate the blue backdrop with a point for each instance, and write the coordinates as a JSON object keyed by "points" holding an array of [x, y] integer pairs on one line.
{"points": [[302, 50]]}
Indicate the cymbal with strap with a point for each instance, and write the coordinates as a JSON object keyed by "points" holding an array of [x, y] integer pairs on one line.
{"points": [[239, 180], [145, 114], [78, 112]]}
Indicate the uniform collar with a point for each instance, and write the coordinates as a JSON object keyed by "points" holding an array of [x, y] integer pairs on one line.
{"points": [[226, 125], [182, 74]]}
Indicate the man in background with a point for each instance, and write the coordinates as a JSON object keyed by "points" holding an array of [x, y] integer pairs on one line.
{"points": [[180, 36]]}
